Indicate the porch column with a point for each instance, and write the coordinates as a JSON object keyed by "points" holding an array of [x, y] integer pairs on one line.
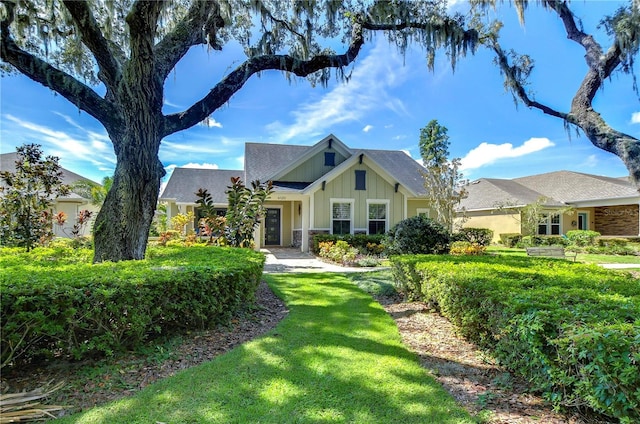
{"points": [[256, 236], [306, 213]]}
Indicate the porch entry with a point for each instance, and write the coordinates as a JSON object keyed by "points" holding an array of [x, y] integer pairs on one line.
{"points": [[583, 223], [272, 223]]}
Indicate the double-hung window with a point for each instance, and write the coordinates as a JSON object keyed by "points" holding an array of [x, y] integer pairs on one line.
{"points": [[549, 224], [377, 217], [341, 216]]}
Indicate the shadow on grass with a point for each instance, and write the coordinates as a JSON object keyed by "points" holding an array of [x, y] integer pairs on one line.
{"points": [[336, 358]]}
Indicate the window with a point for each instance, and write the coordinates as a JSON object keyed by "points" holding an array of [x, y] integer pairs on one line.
{"points": [[422, 212], [549, 224], [361, 177], [341, 217], [329, 159], [377, 218]]}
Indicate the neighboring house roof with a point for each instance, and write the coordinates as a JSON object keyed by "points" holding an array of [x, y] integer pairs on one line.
{"points": [[490, 193], [8, 163], [571, 187], [185, 182], [560, 188]]}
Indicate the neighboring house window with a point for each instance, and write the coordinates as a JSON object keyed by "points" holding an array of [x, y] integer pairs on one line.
{"points": [[423, 212], [361, 177], [549, 224], [377, 217], [341, 216], [329, 159]]}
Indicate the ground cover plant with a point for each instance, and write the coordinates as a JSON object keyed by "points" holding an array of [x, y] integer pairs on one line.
{"points": [[572, 330], [337, 357], [55, 302]]}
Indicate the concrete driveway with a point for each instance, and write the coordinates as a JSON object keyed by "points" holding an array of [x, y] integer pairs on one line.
{"points": [[281, 260]]}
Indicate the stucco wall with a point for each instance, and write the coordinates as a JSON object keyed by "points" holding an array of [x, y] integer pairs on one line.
{"points": [[499, 223]]}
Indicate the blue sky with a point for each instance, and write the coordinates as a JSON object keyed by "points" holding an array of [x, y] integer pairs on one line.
{"points": [[387, 100]]}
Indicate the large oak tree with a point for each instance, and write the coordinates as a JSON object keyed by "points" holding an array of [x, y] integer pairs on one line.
{"points": [[623, 27], [127, 48]]}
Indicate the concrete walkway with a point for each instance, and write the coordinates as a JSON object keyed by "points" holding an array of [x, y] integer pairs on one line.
{"points": [[281, 260]]}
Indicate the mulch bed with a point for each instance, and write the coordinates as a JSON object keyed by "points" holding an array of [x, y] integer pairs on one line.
{"points": [[470, 376]]}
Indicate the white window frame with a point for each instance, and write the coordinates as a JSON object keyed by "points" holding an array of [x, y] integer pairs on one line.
{"points": [[546, 219], [425, 211], [386, 204], [351, 202]]}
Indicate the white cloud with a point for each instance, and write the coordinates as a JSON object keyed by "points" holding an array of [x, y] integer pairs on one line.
{"points": [[201, 165], [86, 146], [635, 118], [368, 89], [486, 153], [367, 128], [590, 162], [211, 122]]}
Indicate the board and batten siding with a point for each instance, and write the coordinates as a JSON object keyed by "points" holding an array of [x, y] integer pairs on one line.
{"points": [[343, 187], [313, 168]]}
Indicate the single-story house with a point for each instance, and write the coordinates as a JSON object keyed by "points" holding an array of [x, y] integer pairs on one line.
{"points": [[324, 188], [70, 204], [607, 205]]}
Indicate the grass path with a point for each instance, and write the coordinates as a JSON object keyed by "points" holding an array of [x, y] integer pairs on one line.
{"points": [[337, 358]]}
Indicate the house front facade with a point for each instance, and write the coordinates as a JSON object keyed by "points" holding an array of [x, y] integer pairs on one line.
{"points": [[568, 201], [325, 188]]}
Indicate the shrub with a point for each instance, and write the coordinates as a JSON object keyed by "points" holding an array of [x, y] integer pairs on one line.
{"points": [[510, 239], [367, 244], [481, 236], [466, 248], [416, 235], [571, 329], [611, 241], [582, 237], [55, 301], [339, 252]]}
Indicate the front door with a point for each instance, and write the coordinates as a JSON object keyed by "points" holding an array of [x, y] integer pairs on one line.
{"points": [[583, 222], [272, 227]]}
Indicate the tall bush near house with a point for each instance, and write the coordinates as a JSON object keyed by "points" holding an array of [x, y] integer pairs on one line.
{"points": [[178, 222], [417, 235], [583, 237], [211, 225], [480, 236], [27, 197], [245, 210]]}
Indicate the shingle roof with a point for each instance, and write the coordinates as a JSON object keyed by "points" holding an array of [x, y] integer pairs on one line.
{"points": [[560, 188], [263, 159], [488, 193], [185, 182], [8, 163], [568, 186], [401, 166]]}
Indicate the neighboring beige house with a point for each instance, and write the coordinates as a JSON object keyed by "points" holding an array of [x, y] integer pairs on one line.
{"points": [[70, 205], [603, 204], [324, 188]]}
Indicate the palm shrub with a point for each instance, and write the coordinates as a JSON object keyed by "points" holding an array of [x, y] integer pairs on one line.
{"points": [[417, 235]]}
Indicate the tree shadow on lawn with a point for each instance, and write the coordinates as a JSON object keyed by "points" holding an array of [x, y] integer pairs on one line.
{"points": [[337, 357]]}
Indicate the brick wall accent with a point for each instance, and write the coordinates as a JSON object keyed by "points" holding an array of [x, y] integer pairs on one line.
{"points": [[617, 220]]}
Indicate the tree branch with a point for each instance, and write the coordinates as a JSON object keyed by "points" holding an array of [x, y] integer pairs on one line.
{"points": [[233, 82], [59, 81], [199, 26], [517, 87], [92, 37]]}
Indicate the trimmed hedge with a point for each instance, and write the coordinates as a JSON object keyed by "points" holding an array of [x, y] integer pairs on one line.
{"points": [[362, 242], [572, 330], [53, 301]]}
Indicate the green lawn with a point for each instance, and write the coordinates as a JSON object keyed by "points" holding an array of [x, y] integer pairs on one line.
{"points": [[336, 358], [582, 257]]}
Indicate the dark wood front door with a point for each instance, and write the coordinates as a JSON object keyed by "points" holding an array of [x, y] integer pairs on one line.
{"points": [[272, 228]]}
